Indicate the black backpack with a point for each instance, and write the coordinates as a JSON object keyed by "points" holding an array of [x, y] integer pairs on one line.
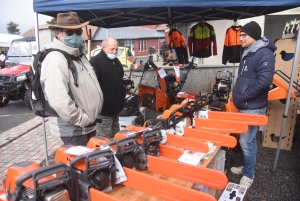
{"points": [[40, 105]]}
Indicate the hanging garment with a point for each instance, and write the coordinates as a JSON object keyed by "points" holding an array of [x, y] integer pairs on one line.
{"points": [[177, 42], [232, 45], [200, 39]]}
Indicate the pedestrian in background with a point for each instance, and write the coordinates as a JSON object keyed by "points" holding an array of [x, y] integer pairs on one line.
{"points": [[250, 92], [2, 60], [152, 51]]}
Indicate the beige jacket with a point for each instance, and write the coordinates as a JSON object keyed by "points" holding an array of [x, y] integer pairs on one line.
{"points": [[77, 107]]}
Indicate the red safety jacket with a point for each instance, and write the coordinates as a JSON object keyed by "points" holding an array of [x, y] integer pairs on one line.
{"points": [[232, 45], [200, 39]]}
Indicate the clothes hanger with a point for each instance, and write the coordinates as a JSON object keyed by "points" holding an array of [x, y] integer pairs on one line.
{"points": [[236, 23], [202, 20]]}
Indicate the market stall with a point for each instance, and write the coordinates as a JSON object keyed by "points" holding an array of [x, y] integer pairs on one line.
{"points": [[126, 13]]}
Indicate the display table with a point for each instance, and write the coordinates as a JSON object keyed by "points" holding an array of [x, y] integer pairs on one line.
{"points": [[125, 193]]}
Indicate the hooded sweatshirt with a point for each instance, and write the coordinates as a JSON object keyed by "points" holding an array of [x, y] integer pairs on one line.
{"points": [[76, 111], [255, 75]]}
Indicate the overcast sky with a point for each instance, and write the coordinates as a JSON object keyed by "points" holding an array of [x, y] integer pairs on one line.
{"points": [[20, 12]]}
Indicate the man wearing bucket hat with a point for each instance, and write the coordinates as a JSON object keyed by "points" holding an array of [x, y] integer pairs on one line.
{"points": [[71, 101], [250, 92]]}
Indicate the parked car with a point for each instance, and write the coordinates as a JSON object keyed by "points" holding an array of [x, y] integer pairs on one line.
{"points": [[14, 84], [124, 55]]}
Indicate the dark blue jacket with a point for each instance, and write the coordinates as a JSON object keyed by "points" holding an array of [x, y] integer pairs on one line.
{"points": [[255, 75]]}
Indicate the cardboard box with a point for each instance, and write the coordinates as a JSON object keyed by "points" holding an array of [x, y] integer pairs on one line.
{"points": [[273, 128], [233, 192], [201, 188], [276, 108], [130, 120], [218, 162], [126, 121]]}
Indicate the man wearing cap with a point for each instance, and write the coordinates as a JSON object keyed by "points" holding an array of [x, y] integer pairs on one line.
{"points": [[250, 92], [77, 113]]}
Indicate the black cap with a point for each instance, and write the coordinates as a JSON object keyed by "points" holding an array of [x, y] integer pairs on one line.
{"points": [[252, 29]]}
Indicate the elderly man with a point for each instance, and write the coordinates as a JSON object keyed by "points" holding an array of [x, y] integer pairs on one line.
{"points": [[109, 71]]}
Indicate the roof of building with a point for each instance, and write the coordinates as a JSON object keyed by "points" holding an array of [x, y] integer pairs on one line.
{"points": [[128, 33]]}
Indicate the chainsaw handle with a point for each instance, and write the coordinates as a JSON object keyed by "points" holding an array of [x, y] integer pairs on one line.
{"points": [[206, 98], [37, 174], [151, 63], [89, 156], [114, 142], [185, 106], [76, 160], [172, 117], [179, 109], [23, 178]]}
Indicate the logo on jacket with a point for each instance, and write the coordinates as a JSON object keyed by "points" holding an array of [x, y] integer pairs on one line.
{"points": [[265, 63], [245, 68]]}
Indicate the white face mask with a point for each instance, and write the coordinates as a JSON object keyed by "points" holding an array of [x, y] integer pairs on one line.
{"points": [[111, 56]]}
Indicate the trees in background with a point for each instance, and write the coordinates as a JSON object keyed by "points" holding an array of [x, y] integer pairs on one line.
{"points": [[52, 21], [12, 28]]}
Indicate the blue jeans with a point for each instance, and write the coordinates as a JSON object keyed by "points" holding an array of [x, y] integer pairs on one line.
{"points": [[248, 144]]}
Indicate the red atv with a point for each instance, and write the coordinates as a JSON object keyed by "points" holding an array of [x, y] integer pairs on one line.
{"points": [[14, 84]]}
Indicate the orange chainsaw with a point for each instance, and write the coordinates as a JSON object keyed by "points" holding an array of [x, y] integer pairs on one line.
{"points": [[216, 121], [150, 148], [87, 168], [28, 181]]}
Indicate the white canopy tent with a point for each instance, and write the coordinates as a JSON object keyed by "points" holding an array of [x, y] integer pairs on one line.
{"points": [[5, 39]]}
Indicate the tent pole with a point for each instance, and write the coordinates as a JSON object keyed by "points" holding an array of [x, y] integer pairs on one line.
{"points": [[288, 99], [37, 38], [233, 75], [170, 17]]}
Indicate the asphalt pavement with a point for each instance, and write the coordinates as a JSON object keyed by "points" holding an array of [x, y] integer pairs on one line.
{"points": [[15, 113]]}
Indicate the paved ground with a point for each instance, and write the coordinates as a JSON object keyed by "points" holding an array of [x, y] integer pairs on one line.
{"points": [[26, 142]]}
